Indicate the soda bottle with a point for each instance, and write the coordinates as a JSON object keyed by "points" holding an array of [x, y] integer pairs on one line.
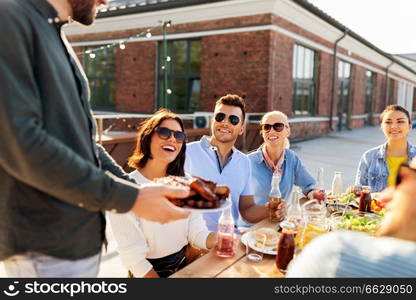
{"points": [[286, 245], [365, 199], [225, 234], [337, 184], [275, 197]]}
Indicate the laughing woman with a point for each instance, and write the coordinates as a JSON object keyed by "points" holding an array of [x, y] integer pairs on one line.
{"points": [[149, 249], [378, 166]]}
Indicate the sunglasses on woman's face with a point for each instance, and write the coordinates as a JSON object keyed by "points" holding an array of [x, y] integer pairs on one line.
{"points": [[165, 133], [276, 126], [234, 120]]}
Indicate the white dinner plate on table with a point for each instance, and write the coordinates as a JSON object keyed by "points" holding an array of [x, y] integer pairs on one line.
{"points": [[252, 244]]}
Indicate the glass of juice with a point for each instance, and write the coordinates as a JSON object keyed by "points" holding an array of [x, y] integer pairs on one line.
{"points": [[365, 199], [286, 245]]}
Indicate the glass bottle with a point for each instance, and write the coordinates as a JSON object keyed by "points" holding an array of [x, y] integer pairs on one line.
{"points": [[319, 191], [286, 245], [294, 210], [225, 234], [365, 199], [275, 197], [337, 184]]}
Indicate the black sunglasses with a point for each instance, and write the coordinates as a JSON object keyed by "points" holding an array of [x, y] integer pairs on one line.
{"points": [[165, 133], [276, 126], [234, 120]]}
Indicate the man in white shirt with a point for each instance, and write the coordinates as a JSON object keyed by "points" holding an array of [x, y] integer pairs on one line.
{"points": [[215, 158]]}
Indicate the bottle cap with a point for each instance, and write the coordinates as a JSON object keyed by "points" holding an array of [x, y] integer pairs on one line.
{"points": [[287, 225]]}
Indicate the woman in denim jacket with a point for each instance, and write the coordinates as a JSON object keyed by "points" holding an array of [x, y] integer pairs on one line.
{"points": [[378, 166], [274, 154]]}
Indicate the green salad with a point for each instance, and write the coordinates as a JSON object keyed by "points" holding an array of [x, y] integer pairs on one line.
{"points": [[366, 223], [347, 198]]}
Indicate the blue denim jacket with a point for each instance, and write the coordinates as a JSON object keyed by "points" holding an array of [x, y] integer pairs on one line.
{"points": [[293, 173], [373, 170]]}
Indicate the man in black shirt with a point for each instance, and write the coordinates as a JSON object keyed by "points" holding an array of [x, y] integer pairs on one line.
{"points": [[55, 181]]}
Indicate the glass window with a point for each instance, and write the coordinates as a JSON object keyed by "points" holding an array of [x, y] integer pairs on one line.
{"points": [[344, 105], [183, 75], [100, 72], [304, 61], [369, 91]]}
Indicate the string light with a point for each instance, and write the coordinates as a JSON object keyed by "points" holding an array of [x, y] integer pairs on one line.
{"points": [[122, 43], [92, 53]]}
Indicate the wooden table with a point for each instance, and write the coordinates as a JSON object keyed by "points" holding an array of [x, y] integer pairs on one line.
{"points": [[212, 266]]}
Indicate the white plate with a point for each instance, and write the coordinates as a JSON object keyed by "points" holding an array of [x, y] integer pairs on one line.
{"points": [[225, 204], [266, 250]]}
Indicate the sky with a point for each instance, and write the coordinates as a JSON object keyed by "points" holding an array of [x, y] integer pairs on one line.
{"points": [[388, 24]]}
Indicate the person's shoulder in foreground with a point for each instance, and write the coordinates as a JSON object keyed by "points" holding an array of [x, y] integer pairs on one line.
{"points": [[354, 254]]}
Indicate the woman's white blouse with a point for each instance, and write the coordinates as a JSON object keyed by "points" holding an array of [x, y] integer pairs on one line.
{"points": [[138, 239]]}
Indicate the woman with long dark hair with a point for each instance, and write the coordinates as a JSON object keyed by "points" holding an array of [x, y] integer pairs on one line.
{"points": [[150, 249], [378, 166]]}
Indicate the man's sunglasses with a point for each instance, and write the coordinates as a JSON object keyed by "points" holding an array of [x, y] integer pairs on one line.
{"points": [[165, 133], [276, 126], [234, 120]]}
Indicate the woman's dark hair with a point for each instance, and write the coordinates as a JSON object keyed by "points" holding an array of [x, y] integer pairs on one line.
{"points": [[142, 152], [395, 107]]}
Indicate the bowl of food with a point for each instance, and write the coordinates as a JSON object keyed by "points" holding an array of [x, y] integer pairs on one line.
{"points": [[204, 195], [341, 203], [363, 222]]}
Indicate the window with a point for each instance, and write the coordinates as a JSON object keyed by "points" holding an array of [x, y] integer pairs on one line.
{"points": [[100, 72], [344, 77], [183, 77], [369, 91], [390, 89], [304, 85], [414, 101]]}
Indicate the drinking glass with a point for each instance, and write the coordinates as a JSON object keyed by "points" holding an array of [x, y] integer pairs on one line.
{"points": [[255, 246]]}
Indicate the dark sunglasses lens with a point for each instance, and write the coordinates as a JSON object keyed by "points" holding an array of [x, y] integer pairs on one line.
{"points": [[278, 126], [219, 117], [267, 127], [234, 120], [180, 136], [163, 132]]}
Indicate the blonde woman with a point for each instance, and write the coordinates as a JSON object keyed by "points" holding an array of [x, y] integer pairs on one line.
{"points": [[274, 155]]}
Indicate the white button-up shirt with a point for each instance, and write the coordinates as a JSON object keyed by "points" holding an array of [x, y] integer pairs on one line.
{"points": [[138, 239]]}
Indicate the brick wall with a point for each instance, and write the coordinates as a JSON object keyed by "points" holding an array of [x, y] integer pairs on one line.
{"points": [[255, 65], [135, 77], [359, 84], [324, 94], [281, 65], [238, 64]]}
